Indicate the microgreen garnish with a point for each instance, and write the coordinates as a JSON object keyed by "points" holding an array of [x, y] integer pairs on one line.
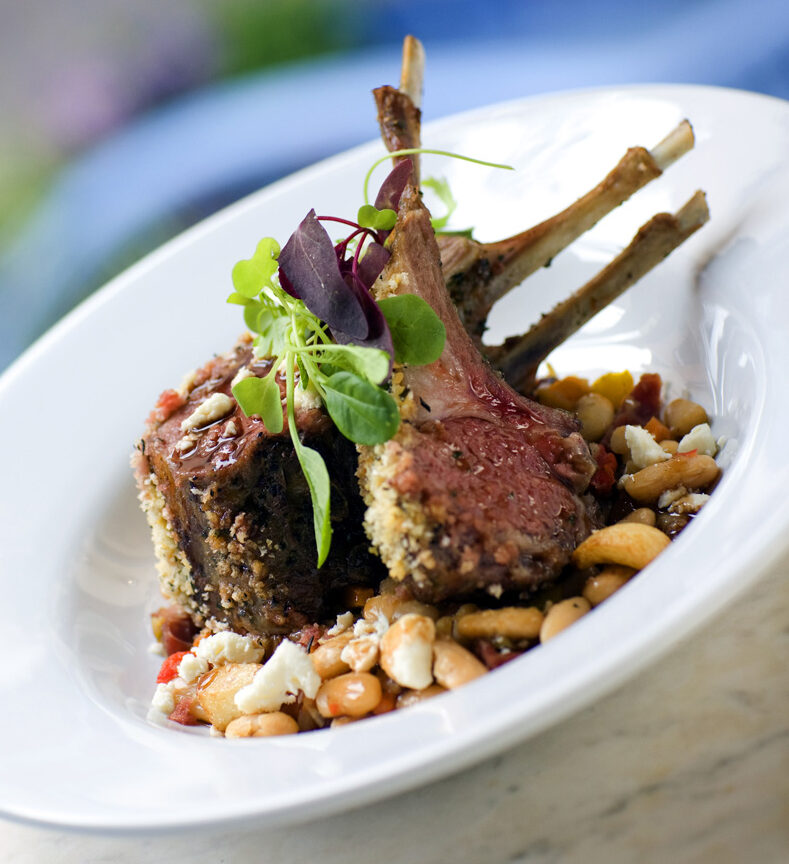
{"points": [[362, 412], [310, 307], [315, 472], [380, 220], [418, 334], [261, 396], [440, 186], [308, 260], [413, 151]]}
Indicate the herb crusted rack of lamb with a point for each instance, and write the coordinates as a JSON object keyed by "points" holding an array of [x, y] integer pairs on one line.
{"points": [[471, 486], [480, 487]]}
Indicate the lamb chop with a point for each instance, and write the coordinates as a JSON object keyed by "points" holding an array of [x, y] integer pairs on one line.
{"points": [[230, 511], [481, 487]]}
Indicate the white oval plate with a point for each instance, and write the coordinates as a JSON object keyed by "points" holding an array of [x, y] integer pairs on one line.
{"points": [[76, 561]]}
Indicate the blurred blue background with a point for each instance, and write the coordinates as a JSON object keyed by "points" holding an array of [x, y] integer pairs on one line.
{"points": [[123, 123]]}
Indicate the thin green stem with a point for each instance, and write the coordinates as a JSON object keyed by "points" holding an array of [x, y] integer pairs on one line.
{"points": [[412, 151]]}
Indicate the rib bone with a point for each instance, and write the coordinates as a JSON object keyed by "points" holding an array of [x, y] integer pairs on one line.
{"points": [[478, 274], [519, 356], [413, 72]]}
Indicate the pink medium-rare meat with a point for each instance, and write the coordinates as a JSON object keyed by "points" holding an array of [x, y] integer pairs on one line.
{"points": [[480, 488]]}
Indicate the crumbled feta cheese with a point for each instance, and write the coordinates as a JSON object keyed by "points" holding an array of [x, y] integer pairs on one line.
{"points": [[243, 372], [187, 383], [644, 450], [377, 627], [230, 429], [670, 496], [289, 670], [700, 439], [163, 700], [495, 591], [228, 647], [344, 621], [411, 663], [211, 409], [306, 399], [191, 667], [186, 443], [156, 648], [689, 503]]}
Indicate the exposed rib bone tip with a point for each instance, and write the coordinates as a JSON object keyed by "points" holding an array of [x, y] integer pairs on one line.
{"points": [[413, 70], [674, 145], [694, 212]]}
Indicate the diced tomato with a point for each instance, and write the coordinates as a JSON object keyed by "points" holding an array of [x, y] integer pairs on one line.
{"points": [[167, 404], [169, 668], [308, 636], [604, 478], [183, 712]]}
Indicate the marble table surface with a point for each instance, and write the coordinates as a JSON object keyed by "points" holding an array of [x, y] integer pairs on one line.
{"points": [[687, 763]]}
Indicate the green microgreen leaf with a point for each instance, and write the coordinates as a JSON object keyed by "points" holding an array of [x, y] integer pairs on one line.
{"points": [[372, 364], [272, 325], [440, 186], [364, 413], [238, 299], [254, 311], [304, 376], [370, 216], [317, 475], [261, 397], [315, 472], [418, 334], [251, 275], [412, 151]]}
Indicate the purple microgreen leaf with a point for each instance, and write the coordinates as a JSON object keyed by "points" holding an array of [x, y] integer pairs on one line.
{"points": [[309, 263], [379, 335], [392, 188], [371, 263], [287, 287]]}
